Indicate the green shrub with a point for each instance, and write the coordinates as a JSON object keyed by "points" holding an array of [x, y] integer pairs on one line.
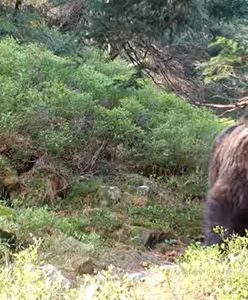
{"points": [[5, 211], [80, 189], [186, 221], [189, 186], [31, 27], [61, 104]]}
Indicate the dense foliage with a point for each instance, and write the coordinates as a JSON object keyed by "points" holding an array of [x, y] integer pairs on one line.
{"points": [[165, 40], [230, 65], [72, 105]]}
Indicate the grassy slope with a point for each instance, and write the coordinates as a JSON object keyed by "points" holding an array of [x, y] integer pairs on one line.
{"points": [[87, 126]]}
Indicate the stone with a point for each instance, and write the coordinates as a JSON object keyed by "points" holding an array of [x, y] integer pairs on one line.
{"points": [[110, 194], [143, 190], [53, 274], [90, 291], [114, 193], [84, 266], [151, 275], [138, 275], [149, 238]]}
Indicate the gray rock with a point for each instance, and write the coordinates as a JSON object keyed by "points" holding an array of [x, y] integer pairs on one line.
{"points": [[114, 193], [90, 291], [52, 274], [151, 275], [143, 190], [84, 266], [138, 275], [110, 194]]}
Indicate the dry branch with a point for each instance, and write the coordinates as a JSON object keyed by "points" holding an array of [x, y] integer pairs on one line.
{"points": [[241, 103]]}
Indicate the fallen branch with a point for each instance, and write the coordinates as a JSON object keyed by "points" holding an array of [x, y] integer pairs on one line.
{"points": [[241, 103]]}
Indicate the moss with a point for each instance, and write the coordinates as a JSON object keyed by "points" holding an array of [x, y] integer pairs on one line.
{"points": [[82, 193], [105, 222], [185, 221]]}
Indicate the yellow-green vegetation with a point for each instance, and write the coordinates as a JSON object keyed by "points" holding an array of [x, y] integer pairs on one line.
{"points": [[5, 211], [199, 274]]}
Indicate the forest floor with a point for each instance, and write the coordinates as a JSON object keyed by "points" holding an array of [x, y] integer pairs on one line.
{"points": [[127, 221], [122, 219]]}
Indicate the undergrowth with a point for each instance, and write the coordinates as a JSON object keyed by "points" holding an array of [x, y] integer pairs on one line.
{"points": [[200, 274], [68, 116], [41, 222], [185, 221], [82, 107]]}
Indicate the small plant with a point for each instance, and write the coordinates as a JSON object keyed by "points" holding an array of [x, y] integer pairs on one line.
{"points": [[105, 222], [186, 221], [187, 187], [81, 189], [6, 211], [26, 280], [201, 273]]}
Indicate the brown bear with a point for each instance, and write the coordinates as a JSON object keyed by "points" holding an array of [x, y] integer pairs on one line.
{"points": [[227, 199]]}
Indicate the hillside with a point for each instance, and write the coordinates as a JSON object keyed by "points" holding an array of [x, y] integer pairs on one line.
{"points": [[104, 153], [94, 167]]}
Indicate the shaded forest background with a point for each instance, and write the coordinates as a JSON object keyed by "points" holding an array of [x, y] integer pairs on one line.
{"points": [[166, 40]]}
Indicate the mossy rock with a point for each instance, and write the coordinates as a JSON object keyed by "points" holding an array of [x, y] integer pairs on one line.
{"points": [[141, 221], [109, 195], [105, 222]]}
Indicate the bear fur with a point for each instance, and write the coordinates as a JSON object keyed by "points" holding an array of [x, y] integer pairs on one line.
{"points": [[227, 199]]}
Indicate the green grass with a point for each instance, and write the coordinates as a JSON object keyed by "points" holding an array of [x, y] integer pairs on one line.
{"points": [[82, 191], [183, 221], [41, 221]]}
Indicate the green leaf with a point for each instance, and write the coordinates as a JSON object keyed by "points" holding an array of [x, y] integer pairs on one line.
{"points": [[5, 211]]}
